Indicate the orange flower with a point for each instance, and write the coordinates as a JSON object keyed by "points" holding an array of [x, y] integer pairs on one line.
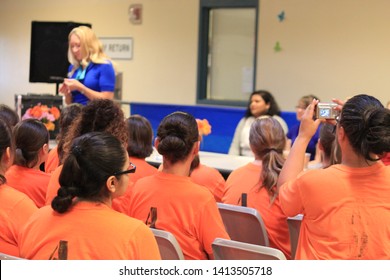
{"points": [[204, 127], [36, 112], [55, 112], [45, 114], [50, 126]]}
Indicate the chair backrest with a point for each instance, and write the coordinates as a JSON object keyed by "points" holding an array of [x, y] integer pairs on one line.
{"points": [[224, 249], [243, 224], [4, 257], [294, 226], [168, 245]]}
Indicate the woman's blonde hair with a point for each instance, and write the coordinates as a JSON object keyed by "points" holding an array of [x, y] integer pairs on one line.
{"points": [[91, 48]]}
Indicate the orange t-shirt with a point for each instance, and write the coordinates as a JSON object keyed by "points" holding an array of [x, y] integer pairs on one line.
{"points": [[52, 161], [15, 209], [246, 180], [93, 231], [185, 209], [53, 186], [346, 212], [143, 169], [210, 178], [32, 182]]}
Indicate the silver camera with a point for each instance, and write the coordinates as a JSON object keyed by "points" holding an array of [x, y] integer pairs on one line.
{"points": [[326, 111]]}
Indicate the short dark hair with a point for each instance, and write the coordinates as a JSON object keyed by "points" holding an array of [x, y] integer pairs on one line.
{"points": [[93, 158], [30, 136], [177, 133], [8, 115], [6, 140], [140, 140]]}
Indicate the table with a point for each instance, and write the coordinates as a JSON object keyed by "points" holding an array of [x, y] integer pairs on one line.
{"points": [[224, 163]]}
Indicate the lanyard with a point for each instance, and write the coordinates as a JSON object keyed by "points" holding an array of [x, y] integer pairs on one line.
{"points": [[80, 73]]}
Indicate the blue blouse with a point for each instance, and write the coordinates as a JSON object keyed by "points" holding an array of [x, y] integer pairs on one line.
{"points": [[98, 77], [311, 148]]}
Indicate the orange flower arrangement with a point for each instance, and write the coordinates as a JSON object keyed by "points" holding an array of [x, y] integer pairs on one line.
{"points": [[43, 113], [204, 127]]}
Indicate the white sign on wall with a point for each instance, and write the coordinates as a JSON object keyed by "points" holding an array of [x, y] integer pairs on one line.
{"points": [[118, 47]]}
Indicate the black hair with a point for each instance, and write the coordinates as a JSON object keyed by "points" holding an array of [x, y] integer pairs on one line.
{"points": [[93, 158], [268, 99], [140, 137], [30, 136], [8, 115], [177, 133], [6, 140], [367, 125]]}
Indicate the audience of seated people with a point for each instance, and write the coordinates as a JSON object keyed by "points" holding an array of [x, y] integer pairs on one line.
{"points": [[258, 180], [345, 207], [32, 147], [169, 200], [180, 200], [80, 223], [67, 117], [15, 207]]}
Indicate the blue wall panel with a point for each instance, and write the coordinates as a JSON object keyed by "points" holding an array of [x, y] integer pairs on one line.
{"points": [[223, 121]]}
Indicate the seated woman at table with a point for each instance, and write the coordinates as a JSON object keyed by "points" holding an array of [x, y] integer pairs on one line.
{"points": [[258, 181], [32, 147], [208, 177], [346, 206], [261, 103], [169, 200], [80, 218], [139, 147]]}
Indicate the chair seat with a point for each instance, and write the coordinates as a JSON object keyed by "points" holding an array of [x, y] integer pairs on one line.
{"points": [[243, 224], [224, 249], [168, 245]]}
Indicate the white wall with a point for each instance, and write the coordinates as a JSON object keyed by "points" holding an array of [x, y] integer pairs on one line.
{"points": [[329, 47]]}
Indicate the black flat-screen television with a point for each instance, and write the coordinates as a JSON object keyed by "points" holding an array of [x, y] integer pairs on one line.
{"points": [[49, 49]]}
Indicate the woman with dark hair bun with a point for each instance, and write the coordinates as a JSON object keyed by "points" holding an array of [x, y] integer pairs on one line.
{"points": [[169, 200], [80, 218], [346, 206], [15, 207], [32, 147]]}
